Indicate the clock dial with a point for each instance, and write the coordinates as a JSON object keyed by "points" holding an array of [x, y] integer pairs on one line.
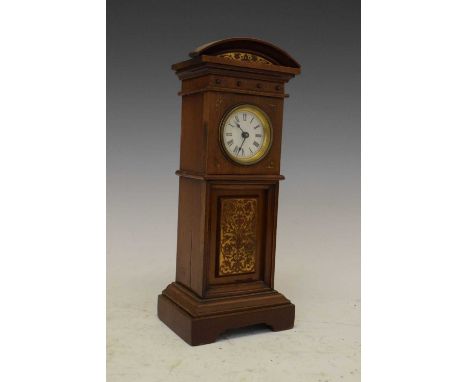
{"points": [[246, 134]]}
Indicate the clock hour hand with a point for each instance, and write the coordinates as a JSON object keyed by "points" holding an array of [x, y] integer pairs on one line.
{"points": [[239, 126]]}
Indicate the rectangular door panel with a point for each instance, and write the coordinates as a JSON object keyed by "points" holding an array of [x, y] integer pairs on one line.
{"points": [[242, 224]]}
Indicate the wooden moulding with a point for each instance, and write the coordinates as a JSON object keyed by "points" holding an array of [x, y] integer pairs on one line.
{"points": [[197, 63], [238, 91], [201, 321], [243, 178]]}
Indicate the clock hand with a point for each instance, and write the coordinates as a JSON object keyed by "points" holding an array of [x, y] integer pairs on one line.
{"points": [[239, 126], [238, 151]]}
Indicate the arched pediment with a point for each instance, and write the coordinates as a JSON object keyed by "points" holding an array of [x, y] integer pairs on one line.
{"points": [[247, 49]]}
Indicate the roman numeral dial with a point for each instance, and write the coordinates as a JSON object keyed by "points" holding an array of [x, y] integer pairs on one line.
{"points": [[246, 134]]}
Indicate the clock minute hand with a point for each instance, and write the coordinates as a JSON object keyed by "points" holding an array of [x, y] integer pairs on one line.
{"points": [[238, 151]]}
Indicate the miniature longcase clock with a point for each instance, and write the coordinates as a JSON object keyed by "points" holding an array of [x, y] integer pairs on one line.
{"points": [[232, 111]]}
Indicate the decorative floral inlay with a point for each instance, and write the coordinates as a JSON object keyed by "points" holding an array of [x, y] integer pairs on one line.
{"points": [[249, 57], [219, 101], [238, 236]]}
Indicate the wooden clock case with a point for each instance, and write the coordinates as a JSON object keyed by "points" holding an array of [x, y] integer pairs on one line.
{"points": [[220, 286]]}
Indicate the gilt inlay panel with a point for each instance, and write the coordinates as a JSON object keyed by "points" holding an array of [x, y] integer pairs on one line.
{"points": [[242, 56], [238, 236]]}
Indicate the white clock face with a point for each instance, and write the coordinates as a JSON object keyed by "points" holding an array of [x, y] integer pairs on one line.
{"points": [[246, 134]]}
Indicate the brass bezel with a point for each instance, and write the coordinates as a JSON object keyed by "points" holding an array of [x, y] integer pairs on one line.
{"points": [[268, 132]]}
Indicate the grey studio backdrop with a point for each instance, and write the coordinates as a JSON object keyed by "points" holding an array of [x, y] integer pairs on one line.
{"points": [[318, 237]]}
